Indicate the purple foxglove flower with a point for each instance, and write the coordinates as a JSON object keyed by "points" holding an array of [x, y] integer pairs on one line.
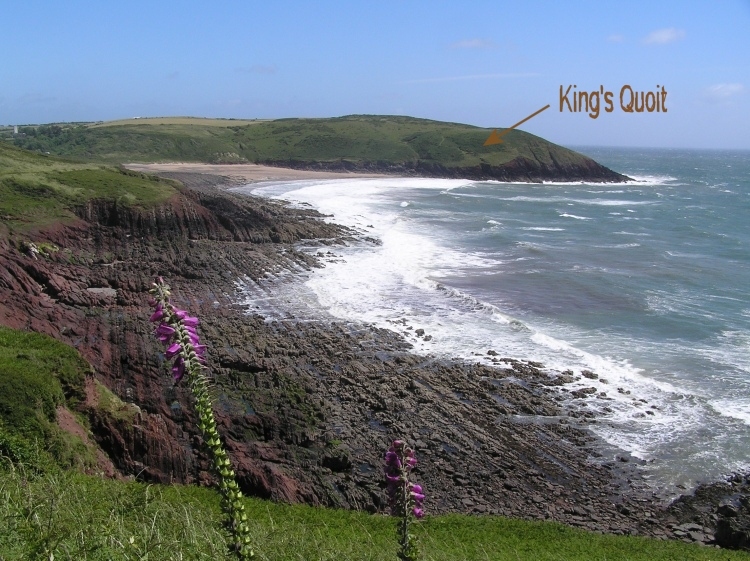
{"points": [[178, 370], [164, 332], [157, 315], [187, 320], [391, 459], [418, 512], [173, 349]]}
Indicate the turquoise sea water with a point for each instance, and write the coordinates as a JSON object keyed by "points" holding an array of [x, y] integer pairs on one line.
{"points": [[647, 284]]}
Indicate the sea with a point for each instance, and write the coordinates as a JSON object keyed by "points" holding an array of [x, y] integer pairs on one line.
{"points": [[644, 283]]}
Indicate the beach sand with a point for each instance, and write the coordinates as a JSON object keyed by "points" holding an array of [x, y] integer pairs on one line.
{"points": [[245, 173]]}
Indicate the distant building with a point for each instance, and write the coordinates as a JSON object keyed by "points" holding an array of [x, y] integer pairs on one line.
{"points": [[15, 129]]}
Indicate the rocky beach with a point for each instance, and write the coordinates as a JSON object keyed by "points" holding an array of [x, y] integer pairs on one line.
{"points": [[307, 408]]}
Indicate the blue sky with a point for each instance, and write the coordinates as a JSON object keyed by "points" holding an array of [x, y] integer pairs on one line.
{"points": [[483, 63]]}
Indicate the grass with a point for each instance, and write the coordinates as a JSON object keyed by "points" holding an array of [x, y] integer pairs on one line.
{"points": [[37, 375], [37, 190], [356, 139], [78, 517]]}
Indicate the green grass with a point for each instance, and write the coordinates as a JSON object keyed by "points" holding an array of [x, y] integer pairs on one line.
{"points": [[356, 139], [37, 190], [38, 374], [83, 518]]}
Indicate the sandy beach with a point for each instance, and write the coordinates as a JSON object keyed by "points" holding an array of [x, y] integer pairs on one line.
{"points": [[246, 173]]}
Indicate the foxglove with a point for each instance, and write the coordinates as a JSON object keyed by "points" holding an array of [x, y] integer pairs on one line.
{"points": [[176, 330]]}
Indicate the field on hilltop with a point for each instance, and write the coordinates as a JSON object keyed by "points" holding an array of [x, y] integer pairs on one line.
{"points": [[200, 121]]}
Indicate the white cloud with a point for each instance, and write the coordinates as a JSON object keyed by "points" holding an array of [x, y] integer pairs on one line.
{"points": [[471, 77], [616, 38], [664, 36], [722, 92], [473, 44]]}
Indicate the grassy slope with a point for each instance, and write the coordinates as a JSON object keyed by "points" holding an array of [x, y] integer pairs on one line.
{"points": [[36, 190], [86, 518], [354, 138], [38, 374]]}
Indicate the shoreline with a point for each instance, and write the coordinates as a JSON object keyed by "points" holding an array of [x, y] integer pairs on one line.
{"points": [[308, 408], [246, 173]]}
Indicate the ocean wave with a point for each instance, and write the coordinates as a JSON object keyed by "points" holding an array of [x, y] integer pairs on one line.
{"points": [[576, 217], [469, 286], [735, 408], [649, 179], [617, 245]]}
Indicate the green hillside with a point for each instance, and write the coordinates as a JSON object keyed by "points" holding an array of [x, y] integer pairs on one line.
{"points": [[353, 142], [36, 190]]}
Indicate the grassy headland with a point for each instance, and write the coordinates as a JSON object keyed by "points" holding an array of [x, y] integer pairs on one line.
{"points": [[361, 142], [38, 190]]}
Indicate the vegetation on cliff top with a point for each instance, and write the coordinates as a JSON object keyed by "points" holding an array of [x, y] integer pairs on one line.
{"points": [[355, 140], [36, 190]]}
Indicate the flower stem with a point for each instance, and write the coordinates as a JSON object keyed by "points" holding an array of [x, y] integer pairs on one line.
{"points": [[177, 331]]}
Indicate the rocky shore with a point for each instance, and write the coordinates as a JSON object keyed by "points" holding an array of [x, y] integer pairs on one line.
{"points": [[307, 409]]}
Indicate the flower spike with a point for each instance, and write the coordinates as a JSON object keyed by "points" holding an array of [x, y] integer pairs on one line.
{"points": [[177, 332]]}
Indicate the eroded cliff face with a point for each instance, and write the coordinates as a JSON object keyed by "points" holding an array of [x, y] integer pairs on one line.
{"points": [[306, 409], [88, 287]]}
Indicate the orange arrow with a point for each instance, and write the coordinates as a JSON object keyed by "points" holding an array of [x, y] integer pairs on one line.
{"points": [[495, 138]]}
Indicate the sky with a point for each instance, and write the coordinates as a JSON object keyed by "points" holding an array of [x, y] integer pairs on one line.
{"points": [[489, 64]]}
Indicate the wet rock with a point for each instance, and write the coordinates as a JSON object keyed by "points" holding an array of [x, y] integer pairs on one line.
{"points": [[583, 392]]}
